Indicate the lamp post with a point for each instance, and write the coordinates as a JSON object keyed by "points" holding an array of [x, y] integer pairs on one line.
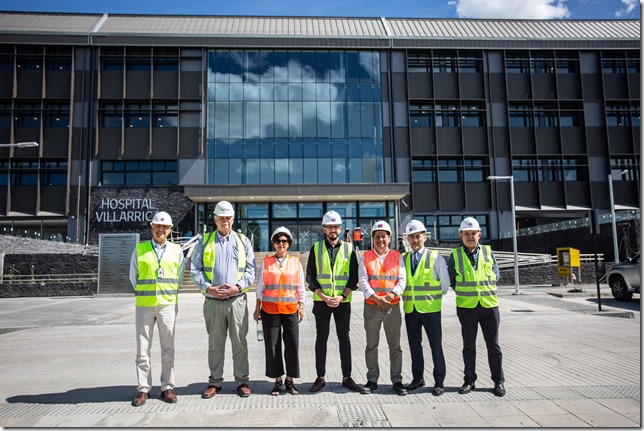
{"points": [[612, 212], [20, 145], [517, 290]]}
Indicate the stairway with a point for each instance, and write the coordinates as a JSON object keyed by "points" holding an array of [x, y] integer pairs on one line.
{"points": [[188, 286]]}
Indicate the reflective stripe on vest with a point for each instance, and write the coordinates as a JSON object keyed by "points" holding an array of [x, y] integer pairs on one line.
{"points": [[475, 285], [209, 255], [151, 290], [280, 285], [423, 290], [332, 281], [382, 276]]}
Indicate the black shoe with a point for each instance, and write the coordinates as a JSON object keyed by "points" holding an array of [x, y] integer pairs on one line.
{"points": [[438, 390], [415, 384], [369, 388], [399, 388], [466, 388], [499, 389]]}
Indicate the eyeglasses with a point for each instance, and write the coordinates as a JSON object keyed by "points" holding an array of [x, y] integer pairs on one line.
{"points": [[280, 241]]}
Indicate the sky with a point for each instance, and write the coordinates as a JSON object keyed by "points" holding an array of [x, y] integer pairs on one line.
{"points": [[496, 9]]}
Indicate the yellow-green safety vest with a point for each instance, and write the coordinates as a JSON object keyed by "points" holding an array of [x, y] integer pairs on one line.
{"points": [[333, 281], [474, 286], [209, 255], [151, 290], [423, 290]]}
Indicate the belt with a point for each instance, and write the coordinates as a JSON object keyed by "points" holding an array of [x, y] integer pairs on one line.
{"points": [[231, 297]]}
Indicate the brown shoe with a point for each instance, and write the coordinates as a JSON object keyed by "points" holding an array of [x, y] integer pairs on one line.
{"points": [[140, 398], [169, 396], [243, 390], [318, 384], [348, 383], [210, 391]]}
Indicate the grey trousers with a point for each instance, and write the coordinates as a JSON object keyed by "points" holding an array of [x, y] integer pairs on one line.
{"points": [[227, 318], [391, 319]]}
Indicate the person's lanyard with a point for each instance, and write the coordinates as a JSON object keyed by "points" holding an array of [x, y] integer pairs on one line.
{"points": [[159, 269]]}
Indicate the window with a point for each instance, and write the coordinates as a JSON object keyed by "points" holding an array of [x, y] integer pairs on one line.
{"points": [[165, 115], [517, 62], [421, 116], [27, 115], [630, 165], [571, 114], [546, 116], [613, 62], [56, 115], [53, 173], [543, 62], [445, 227], [445, 62], [448, 115], [617, 115], [157, 172], [424, 171], [524, 170], [111, 115], [550, 170], [137, 115], [24, 173], [419, 62], [449, 170], [521, 116]]}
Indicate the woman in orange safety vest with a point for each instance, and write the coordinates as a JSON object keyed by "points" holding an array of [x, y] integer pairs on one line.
{"points": [[280, 303]]}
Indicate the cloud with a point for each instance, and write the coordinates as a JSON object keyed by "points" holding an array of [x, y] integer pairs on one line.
{"points": [[513, 9], [629, 6]]}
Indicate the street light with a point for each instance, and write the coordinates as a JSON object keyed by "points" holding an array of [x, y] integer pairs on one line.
{"points": [[612, 211], [517, 290], [20, 145]]}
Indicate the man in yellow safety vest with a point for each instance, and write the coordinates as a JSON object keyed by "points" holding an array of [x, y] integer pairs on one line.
{"points": [[427, 282], [332, 275], [473, 273], [156, 271]]}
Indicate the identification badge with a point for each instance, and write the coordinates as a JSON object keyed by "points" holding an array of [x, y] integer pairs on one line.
{"points": [[160, 272]]}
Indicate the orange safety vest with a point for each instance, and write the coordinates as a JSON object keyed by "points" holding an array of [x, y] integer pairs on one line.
{"points": [[357, 235], [382, 277], [280, 285]]}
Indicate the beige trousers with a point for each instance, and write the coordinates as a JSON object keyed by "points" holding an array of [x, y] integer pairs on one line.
{"points": [[164, 316]]}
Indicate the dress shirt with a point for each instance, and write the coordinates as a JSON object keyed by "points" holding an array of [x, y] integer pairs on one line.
{"points": [[225, 270]]}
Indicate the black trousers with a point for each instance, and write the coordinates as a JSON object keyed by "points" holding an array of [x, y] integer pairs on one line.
{"points": [[341, 315], [489, 319], [277, 327], [431, 322]]}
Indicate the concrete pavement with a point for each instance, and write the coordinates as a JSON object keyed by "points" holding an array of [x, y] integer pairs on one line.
{"points": [[69, 362]]}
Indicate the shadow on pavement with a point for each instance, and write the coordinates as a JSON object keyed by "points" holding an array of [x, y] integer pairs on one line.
{"points": [[101, 394], [632, 305]]}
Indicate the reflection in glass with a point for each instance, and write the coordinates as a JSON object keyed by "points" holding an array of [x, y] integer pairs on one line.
{"points": [[321, 96]]}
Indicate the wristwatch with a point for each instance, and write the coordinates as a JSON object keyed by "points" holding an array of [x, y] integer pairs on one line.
{"points": [[344, 296]]}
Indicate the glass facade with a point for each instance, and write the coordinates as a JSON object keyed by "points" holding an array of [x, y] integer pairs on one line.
{"points": [[294, 117]]}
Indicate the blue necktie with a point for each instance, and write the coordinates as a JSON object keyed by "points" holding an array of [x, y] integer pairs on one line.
{"points": [[415, 260]]}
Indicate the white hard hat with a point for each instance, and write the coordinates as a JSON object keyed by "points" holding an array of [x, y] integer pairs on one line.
{"points": [[224, 209], [162, 218], [381, 225], [469, 223], [415, 226], [331, 217], [282, 230]]}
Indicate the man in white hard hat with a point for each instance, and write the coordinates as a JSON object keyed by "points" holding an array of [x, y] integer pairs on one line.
{"points": [[223, 266], [332, 275], [381, 276], [156, 271], [427, 282], [473, 273]]}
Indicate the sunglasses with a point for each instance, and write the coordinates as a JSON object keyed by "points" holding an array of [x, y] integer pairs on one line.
{"points": [[280, 241]]}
